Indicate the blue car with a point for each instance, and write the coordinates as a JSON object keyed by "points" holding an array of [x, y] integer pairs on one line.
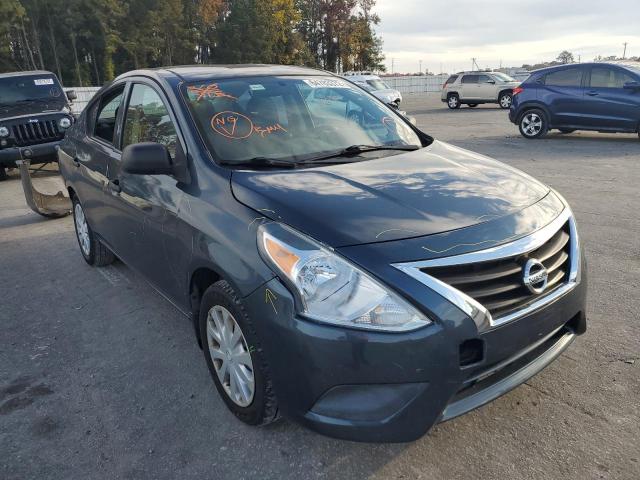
{"points": [[603, 97]]}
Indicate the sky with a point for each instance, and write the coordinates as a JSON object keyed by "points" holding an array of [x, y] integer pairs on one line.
{"points": [[446, 34]]}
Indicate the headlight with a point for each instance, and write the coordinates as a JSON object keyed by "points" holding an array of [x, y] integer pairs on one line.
{"points": [[64, 123], [4, 132], [330, 289]]}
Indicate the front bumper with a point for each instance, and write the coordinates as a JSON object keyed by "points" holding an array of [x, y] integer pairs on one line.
{"points": [[40, 153], [383, 387]]}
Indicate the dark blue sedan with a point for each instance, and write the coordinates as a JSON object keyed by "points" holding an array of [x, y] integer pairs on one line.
{"points": [[602, 97]]}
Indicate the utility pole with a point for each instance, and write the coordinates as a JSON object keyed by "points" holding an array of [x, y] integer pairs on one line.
{"points": [[473, 62], [420, 69], [393, 61], [624, 54], [579, 58]]}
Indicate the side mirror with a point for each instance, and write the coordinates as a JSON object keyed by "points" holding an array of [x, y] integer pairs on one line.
{"points": [[632, 85], [393, 105], [71, 95], [147, 158]]}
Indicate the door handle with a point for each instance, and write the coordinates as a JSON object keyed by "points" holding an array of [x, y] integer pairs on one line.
{"points": [[114, 185], [592, 93]]}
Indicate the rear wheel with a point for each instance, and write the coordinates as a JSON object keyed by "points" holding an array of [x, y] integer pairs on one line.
{"points": [[3, 174], [93, 251], [566, 130], [505, 100], [453, 101], [472, 105], [533, 124], [234, 356]]}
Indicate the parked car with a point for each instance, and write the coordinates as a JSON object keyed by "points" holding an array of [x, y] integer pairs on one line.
{"points": [[360, 278], [34, 115], [603, 97], [474, 88], [375, 85]]}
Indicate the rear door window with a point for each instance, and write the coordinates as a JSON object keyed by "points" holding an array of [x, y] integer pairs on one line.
{"points": [[470, 79], [483, 78], [568, 77], [605, 77], [105, 123], [451, 79]]}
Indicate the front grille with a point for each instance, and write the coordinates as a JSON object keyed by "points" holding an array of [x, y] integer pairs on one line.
{"points": [[498, 284], [32, 133]]}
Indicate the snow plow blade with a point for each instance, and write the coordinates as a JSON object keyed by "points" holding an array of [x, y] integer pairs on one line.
{"points": [[52, 206]]}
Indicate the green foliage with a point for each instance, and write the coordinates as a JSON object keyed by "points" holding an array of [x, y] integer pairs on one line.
{"points": [[89, 42]]}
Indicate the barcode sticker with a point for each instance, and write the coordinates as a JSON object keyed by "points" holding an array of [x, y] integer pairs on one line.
{"points": [[43, 81], [326, 83]]}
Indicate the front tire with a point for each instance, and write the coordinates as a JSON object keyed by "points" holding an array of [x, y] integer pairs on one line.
{"points": [[92, 250], [234, 356], [453, 101], [533, 124], [504, 100]]}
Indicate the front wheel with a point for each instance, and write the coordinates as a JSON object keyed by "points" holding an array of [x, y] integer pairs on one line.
{"points": [[505, 100], [533, 124], [234, 356], [93, 251], [453, 101]]}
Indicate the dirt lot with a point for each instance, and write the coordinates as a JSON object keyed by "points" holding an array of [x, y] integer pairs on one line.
{"points": [[101, 378]]}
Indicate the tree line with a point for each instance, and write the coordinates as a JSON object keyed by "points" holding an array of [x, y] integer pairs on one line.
{"points": [[89, 42]]}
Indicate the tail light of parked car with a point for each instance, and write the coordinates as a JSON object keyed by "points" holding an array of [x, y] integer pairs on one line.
{"points": [[517, 90]]}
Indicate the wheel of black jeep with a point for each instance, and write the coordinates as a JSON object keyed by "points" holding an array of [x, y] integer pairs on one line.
{"points": [[504, 100], [3, 174], [566, 130], [453, 101], [472, 105], [234, 356], [533, 124], [93, 251]]}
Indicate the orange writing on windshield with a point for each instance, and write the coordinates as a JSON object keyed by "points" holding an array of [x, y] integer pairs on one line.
{"points": [[268, 130], [232, 125], [209, 91]]}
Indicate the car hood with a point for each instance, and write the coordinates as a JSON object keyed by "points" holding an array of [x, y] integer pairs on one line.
{"points": [[35, 108], [432, 190], [387, 92]]}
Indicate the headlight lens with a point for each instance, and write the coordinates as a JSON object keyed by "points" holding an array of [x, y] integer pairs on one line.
{"points": [[64, 123], [4, 132], [330, 289]]}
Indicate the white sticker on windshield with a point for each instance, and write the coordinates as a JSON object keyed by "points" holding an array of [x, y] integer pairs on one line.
{"points": [[43, 81], [326, 83], [257, 86]]}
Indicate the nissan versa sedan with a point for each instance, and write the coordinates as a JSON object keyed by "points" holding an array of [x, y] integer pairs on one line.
{"points": [[348, 272]]}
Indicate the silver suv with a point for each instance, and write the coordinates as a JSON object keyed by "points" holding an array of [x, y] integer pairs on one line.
{"points": [[474, 88]]}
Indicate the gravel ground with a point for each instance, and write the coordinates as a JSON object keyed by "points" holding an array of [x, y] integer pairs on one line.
{"points": [[101, 378]]}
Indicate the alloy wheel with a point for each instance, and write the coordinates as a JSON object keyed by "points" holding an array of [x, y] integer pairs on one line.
{"points": [[230, 356], [505, 101], [531, 124], [453, 102], [82, 230]]}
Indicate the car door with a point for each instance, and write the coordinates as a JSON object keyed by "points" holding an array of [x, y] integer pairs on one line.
{"points": [[562, 92], [486, 88], [94, 156], [152, 202], [469, 87], [607, 104]]}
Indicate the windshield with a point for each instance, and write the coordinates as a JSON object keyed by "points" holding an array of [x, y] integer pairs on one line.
{"points": [[378, 84], [32, 87], [291, 118], [503, 77]]}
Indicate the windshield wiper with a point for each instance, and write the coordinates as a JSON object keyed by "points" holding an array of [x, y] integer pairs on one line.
{"points": [[357, 149], [260, 162]]}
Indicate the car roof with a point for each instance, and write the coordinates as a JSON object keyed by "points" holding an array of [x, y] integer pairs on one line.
{"points": [[623, 64], [25, 73], [189, 73]]}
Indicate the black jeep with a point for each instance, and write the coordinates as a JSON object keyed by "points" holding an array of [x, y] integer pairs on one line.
{"points": [[34, 114]]}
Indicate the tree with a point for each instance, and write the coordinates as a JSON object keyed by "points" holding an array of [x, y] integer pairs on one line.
{"points": [[565, 57]]}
